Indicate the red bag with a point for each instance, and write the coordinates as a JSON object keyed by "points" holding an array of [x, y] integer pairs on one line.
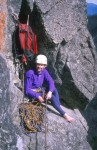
{"points": [[28, 42]]}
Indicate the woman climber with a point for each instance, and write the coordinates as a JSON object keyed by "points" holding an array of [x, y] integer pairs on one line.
{"points": [[34, 80]]}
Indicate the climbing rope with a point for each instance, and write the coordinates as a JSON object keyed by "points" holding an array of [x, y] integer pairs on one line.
{"points": [[32, 116], [46, 126]]}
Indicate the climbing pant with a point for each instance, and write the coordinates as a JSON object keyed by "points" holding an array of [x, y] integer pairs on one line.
{"points": [[56, 102]]}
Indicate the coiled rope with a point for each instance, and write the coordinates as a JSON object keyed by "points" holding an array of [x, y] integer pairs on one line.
{"points": [[32, 116]]}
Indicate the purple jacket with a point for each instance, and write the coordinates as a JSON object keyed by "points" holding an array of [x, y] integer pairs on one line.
{"points": [[33, 80]]}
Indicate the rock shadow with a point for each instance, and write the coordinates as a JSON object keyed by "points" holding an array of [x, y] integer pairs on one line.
{"points": [[70, 95], [90, 114]]}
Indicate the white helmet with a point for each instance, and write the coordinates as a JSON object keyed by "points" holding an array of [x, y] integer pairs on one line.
{"points": [[41, 59]]}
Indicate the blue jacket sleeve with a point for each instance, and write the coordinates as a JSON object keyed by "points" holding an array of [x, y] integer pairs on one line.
{"points": [[28, 85], [49, 80]]}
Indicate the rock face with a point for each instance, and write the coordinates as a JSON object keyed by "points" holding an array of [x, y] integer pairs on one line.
{"points": [[3, 24], [61, 29], [7, 128], [92, 122], [60, 134], [63, 36]]}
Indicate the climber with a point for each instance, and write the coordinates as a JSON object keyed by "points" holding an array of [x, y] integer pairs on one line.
{"points": [[34, 79]]}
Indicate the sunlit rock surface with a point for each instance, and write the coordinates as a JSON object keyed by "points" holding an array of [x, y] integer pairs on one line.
{"points": [[61, 28]]}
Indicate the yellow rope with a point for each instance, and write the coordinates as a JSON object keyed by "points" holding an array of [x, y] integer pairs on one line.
{"points": [[32, 115]]}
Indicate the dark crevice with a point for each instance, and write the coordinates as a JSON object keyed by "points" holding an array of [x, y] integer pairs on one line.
{"points": [[63, 43], [82, 47], [36, 22], [73, 97], [90, 46], [87, 59], [90, 114], [44, 41], [24, 11]]}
